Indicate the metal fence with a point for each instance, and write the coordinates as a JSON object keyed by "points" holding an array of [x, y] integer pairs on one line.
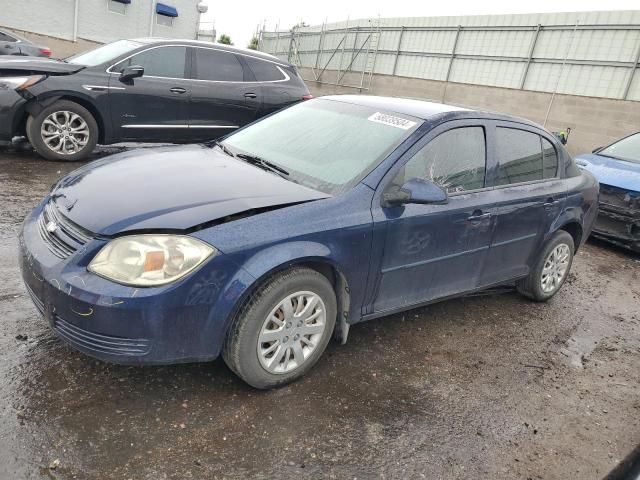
{"points": [[589, 53]]}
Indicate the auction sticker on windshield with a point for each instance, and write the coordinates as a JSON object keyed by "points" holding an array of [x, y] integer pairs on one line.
{"points": [[391, 120]]}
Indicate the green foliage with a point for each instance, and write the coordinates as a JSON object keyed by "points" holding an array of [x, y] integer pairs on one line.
{"points": [[226, 39], [253, 44]]}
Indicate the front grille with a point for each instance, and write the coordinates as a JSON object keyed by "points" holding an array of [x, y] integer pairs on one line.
{"points": [[133, 347], [66, 238], [618, 199]]}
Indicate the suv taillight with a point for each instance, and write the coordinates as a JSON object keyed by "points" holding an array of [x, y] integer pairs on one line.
{"points": [[45, 51]]}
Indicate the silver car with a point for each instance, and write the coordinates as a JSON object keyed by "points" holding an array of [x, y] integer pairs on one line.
{"points": [[12, 44]]}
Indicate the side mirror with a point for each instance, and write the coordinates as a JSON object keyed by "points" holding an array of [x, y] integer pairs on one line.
{"points": [[131, 72], [416, 190], [596, 150]]}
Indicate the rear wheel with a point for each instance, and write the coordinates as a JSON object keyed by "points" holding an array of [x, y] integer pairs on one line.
{"points": [[551, 269], [283, 329], [63, 131]]}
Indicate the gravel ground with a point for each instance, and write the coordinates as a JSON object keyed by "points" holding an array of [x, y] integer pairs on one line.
{"points": [[490, 386]]}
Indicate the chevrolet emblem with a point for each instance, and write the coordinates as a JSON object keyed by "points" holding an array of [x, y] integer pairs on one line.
{"points": [[51, 227]]}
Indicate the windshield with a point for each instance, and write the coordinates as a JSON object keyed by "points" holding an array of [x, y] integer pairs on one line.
{"points": [[626, 149], [104, 53], [324, 144]]}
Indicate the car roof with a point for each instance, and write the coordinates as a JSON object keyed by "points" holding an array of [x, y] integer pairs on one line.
{"points": [[423, 109], [221, 46]]}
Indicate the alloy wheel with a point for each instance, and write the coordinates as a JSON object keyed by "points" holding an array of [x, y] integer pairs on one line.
{"points": [[65, 132], [291, 332], [555, 269]]}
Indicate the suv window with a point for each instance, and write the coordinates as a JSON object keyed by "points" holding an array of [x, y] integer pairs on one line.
{"points": [[264, 71], [5, 37], [168, 62], [455, 160], [217, 66], [524, 157]]}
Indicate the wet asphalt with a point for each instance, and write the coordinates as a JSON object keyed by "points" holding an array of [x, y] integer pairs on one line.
{"points": [[489, 386]]}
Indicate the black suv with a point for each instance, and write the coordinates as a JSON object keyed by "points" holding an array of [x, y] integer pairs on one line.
{"points": [[143, 90]]}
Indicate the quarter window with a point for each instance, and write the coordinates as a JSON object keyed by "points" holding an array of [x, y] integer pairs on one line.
{"points": [[455, 160], [168, 62], [264, 71], [218, 66]]}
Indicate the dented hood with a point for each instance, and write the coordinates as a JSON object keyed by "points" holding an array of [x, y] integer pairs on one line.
{"points": [[611, 171], [37, 65], [169, 188]]}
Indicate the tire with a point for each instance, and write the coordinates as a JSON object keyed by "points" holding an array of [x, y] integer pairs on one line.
{"points": [[257, 361], [532, 286], [75, 144]]}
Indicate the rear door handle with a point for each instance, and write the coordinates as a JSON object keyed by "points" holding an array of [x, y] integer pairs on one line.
{"points": [[476, 218], [177, 90], [250, 95]]}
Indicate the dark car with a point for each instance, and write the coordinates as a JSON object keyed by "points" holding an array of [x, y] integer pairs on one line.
{"points": [[147, 90], [330, 212], [617, 168], [12, 44]]}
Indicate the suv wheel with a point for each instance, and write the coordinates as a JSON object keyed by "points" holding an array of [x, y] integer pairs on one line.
{"points": [[551, 269], [63, 131], [282, 329]]}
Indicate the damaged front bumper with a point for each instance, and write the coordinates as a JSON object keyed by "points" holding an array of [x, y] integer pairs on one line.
{"points": [[618, 219], [184, 321]]}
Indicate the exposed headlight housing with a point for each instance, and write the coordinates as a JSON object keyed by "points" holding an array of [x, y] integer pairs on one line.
{"points": [[19, 83], [150, 260]]}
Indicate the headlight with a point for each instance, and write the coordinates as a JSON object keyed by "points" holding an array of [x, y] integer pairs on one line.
{"points": [[19, 83], [150, 260]]}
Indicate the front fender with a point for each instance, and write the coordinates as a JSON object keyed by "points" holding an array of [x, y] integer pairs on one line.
{"points": [[278, 257]]}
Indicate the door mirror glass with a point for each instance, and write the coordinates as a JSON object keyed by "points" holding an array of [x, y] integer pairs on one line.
{"points": [[416, 190], [131, 72]]}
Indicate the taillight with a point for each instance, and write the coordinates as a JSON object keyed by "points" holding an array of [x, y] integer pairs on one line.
{"points": [[307, 97], [45, 51]]}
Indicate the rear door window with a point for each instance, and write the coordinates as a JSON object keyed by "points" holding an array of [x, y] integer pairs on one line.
{"points": [[524, 157], [264, 71], [217, 66], [519, 156], [167, 62], [549, 159], [455, 160]]}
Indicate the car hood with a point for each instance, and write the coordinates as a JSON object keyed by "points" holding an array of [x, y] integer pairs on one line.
{"points": [[170, 188], [609, 171], [37, 65]]}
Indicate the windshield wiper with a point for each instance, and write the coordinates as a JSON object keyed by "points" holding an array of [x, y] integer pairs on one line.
{"points": [[261, 162], [224, 148]]}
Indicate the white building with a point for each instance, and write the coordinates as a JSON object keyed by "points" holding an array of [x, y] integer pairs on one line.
{"points": [[71, 25]]}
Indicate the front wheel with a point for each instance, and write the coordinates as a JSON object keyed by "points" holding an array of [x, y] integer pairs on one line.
{"points": [[551, 269], [63, 131], [282, 329]]}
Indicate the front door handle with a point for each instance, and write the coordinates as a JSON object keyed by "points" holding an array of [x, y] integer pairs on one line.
{"points": [[250, 95], [177, 90], [478, 217]]}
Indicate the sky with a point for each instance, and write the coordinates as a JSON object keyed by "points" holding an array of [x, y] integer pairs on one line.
{"points": [[239, 19]]}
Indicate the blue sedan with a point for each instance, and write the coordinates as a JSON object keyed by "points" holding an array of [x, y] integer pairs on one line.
{"points": [[617, 169], [264, 245]]}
